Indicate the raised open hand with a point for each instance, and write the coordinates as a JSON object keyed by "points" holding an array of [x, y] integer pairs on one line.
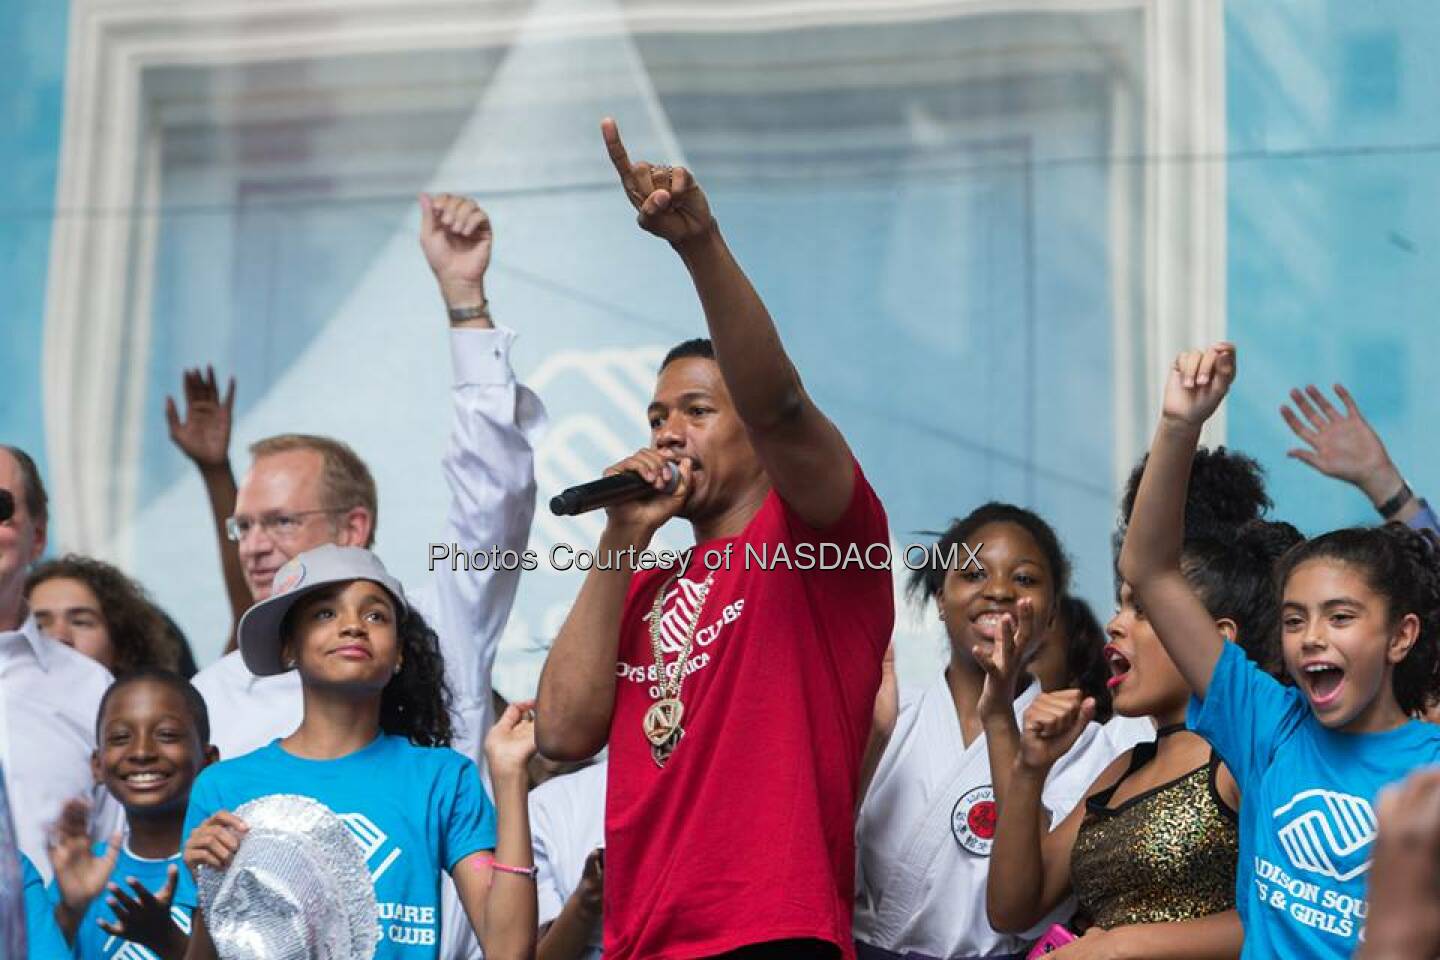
{"points": [[145, 918], [204, 434], [1343, 446], [79, 874], [670, 203], [1198, 382]]}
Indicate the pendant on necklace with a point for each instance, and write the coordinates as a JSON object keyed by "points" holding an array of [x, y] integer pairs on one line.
{"points": [[660, 752], [662, 720]]}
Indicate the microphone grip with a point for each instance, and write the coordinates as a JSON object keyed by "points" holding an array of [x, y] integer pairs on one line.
{"points": [[607, 490]]}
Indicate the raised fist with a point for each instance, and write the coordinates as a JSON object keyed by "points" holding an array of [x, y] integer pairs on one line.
{"points": [[1198, 382], [456, 237], [1052, 724]]}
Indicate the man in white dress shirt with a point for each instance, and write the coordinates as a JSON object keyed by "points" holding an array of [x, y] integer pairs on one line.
{"points": [[303, 491], [48, 692]]}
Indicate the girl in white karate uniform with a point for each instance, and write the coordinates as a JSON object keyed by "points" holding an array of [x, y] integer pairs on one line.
{"points": [[926, 825]]}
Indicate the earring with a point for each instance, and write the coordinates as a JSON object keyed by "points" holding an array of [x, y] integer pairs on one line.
{"points": [[397, 667], [290, 663]]}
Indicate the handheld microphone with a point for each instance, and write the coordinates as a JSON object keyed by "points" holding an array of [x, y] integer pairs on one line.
{"points": [[607, 490]]}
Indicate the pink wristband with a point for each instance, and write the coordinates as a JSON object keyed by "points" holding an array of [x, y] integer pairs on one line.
{"points": [[493, 864]]}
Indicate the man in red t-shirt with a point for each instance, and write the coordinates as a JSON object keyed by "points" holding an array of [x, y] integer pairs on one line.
{"points": [[735, 689]]}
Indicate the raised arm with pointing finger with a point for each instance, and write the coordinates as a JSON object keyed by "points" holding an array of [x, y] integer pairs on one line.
{"points": [[735, 689], [802, 452], [797, 450]]}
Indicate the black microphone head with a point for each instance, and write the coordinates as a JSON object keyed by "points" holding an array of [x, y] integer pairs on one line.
{"points": [[562, 505], [672, 478]]}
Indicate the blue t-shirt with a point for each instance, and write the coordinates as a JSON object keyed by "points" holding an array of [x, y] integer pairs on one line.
{"points": [[44, 941], [1307, 807], [415, 811], [91, 941]]}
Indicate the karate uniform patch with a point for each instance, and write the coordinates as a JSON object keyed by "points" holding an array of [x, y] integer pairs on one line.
{"points": [[973, 820]]}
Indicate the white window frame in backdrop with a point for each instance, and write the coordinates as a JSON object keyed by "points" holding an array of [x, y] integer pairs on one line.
{"points": [[98, 306]]}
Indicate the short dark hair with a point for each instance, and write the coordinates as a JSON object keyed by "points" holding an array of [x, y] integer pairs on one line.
{"points": [[37, 502], [1403, 566], [194, 703], [698, 347]]}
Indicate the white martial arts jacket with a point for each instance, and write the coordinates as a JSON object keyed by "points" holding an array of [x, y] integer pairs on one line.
{"points": [[924, 833]]}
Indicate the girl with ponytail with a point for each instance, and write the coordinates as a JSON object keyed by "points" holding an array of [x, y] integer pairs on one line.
{"points": [[1360, 621]]}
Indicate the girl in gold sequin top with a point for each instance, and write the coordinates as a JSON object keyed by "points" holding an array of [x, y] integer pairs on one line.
{"points": [[1151, 855]]}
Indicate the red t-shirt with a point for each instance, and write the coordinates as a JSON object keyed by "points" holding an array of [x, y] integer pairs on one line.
{"points": [[748, 833]]}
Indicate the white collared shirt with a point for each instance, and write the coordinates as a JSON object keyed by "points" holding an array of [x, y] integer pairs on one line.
{"points": [[489, 466], [49, 699], [246, 711], [567, 822]]}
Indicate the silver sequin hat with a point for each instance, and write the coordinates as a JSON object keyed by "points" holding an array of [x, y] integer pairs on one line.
{"points": [[298, 888], [260, 626]]}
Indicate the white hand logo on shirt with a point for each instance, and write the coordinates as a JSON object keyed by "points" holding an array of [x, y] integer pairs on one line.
{"points": [[371, 839], [1328, 833]]}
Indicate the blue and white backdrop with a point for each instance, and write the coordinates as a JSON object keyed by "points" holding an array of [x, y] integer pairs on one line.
{"points": [[983, 226]]}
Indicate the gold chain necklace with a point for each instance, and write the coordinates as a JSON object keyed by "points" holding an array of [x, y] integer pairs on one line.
{"points": [[662, 721]]}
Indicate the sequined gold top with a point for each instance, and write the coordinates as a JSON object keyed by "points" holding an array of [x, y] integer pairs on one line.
{"points": [[1164, 855]]}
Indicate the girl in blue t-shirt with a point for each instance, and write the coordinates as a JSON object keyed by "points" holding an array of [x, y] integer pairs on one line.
{"points": [[1360, 618], [372, 746]]}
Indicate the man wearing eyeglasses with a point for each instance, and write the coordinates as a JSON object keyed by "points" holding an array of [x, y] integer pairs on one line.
{"points": [[302, 491]]}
